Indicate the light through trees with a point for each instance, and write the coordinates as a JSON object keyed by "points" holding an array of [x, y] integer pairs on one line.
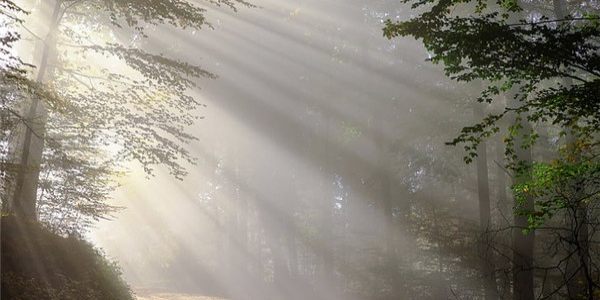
{"points": [[289, 150]]}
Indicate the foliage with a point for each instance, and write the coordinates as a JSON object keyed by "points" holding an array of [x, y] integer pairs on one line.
{"points": [[143, 108], [177, 13], [543, 70], [549, 66], [76, 185], [558, 186], [38, 264], [488, 46], [10, 15], [110, 100]]}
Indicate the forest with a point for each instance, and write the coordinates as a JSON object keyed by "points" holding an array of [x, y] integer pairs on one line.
{"points": [[309, 149]]}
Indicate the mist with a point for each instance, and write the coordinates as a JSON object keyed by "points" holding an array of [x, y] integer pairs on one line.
{"points": [[321, 156], [313, 149]]}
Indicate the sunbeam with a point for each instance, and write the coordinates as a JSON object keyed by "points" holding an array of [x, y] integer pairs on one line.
{"points": [[271, 150], [295, 130]]}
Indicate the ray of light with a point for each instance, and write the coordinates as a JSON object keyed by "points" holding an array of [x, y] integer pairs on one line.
{"points": [[290, 74]]}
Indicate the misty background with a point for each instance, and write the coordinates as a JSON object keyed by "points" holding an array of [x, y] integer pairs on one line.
{"points": [[289, 150], [322, 170]]}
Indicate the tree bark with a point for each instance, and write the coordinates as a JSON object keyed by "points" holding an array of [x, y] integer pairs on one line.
{"points": [[502, 201], [483, 189], [522, 243], [580, 284], [24, 192]]}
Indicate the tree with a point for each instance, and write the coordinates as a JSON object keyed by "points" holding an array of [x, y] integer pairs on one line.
{"points": [[13, 82], [527, 59], [132, 104]]}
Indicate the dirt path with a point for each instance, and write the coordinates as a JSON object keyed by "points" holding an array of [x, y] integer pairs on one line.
{"points": [[175, 296], [149, 293]]}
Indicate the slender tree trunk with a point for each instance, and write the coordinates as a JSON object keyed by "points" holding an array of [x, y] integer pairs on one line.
{"points": [[580, 284], [504, 205], [502, 201], [24, 191], [523, 243], [483, 189], [483, 186]]}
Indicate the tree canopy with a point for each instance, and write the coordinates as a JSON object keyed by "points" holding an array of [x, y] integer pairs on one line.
{"points": [[548, 63], [109, 97]]}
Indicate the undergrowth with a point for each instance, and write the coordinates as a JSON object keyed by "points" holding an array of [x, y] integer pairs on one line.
{"points": [[38, 264]]}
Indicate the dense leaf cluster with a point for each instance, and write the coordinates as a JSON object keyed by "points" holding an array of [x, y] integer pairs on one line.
{"points": [[558, 186]]}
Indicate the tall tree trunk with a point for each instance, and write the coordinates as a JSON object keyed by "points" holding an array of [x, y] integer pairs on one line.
{"points": [[522, 243], [504, 205], [483, 189], [502, 201], [580, 284], [24, 192]]}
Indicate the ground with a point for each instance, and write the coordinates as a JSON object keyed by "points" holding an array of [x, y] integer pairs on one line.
{"points": [[174, 296], [149, 293]]}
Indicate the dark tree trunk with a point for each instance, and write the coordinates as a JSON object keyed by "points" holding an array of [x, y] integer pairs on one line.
{"points": [[523, 243], [502, 201], [483, 186], [580, 284], [483, 189]]}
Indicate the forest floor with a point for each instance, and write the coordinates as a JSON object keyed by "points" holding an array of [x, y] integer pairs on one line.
{"points": [[158, 294], [175, 296]]}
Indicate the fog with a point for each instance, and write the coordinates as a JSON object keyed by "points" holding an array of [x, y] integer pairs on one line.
{"points": [[322, 171]]}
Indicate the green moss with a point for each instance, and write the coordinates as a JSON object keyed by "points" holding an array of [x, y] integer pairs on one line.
{"points": [[38, 264]]}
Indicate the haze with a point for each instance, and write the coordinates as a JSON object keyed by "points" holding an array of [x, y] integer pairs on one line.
{"points": [[322, 165]]}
